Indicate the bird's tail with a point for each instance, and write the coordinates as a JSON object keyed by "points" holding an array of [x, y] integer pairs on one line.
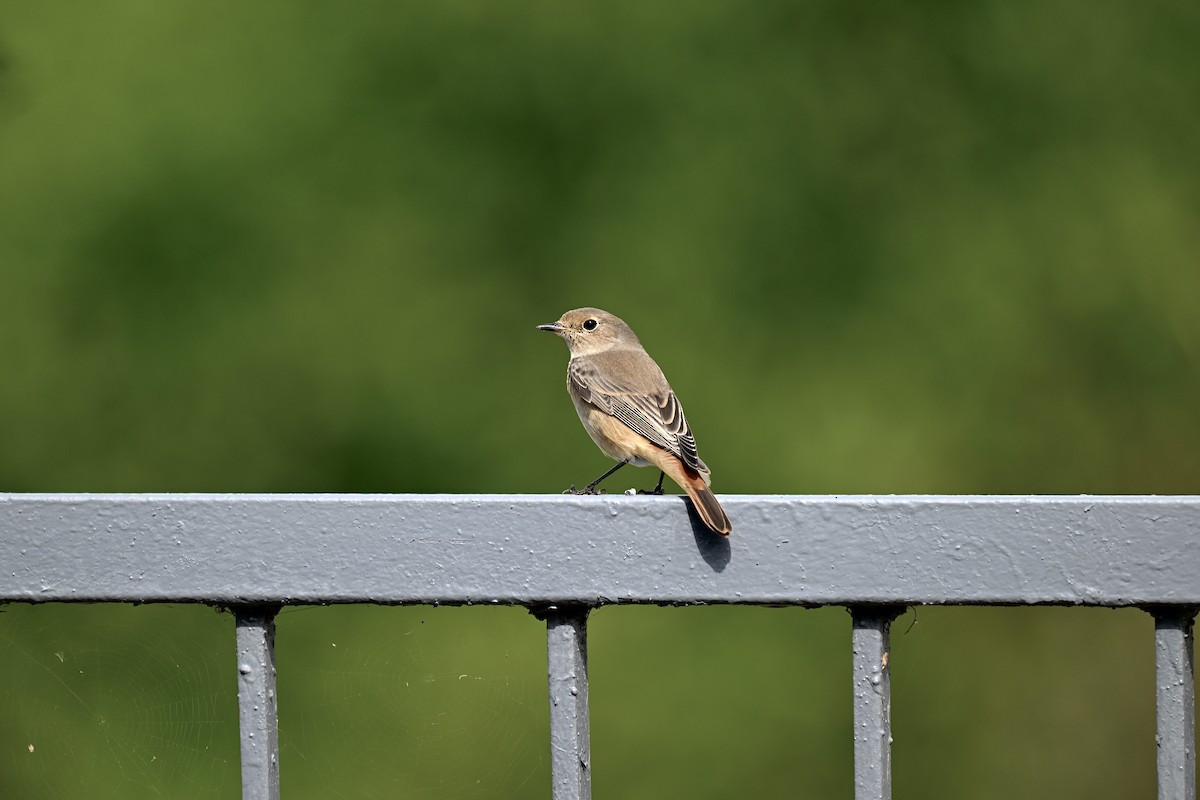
{"points": [[709, 509], [703, 499]]}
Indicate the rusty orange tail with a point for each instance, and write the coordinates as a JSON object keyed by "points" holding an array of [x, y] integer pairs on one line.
{"points": [[702, 497]]}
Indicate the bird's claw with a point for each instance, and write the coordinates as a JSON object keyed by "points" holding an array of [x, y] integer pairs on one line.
{"points": [[657, 491], [583, 491]]}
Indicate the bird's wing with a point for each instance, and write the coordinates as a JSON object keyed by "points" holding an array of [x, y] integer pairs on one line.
{"points": [[651, 410]]}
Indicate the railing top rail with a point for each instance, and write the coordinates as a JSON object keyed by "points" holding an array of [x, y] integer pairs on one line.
{"points": [[532, 550]]}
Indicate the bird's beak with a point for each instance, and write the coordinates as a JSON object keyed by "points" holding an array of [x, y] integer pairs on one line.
{"points": [[553, 327]]}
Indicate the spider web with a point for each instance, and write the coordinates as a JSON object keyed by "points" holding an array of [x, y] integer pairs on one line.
{"points": [[116, 701], [412, 702], [141, 702]]}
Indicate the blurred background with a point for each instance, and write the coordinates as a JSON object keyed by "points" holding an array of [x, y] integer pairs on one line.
{"points": [[907, 248]]}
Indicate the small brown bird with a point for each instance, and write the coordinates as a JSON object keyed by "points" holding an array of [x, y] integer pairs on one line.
{"points": [[629, 410]]}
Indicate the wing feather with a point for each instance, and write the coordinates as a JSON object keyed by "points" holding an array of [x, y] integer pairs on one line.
{"points": [[651, 410]]}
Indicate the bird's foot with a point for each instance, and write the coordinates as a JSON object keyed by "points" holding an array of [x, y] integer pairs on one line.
{"points": [[583, 491], [657, 489]]}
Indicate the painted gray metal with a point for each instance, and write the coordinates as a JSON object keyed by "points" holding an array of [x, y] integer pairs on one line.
{"points": [[562, 555], [872, 676], [566, 661], [257, 704], [1176, 703], [538, 549]]}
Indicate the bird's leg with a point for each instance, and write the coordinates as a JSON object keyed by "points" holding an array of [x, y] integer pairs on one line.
{"points": [[591, 487], [657, 489]]}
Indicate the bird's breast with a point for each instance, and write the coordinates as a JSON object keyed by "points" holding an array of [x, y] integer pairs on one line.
{"points": [[614, 438]]}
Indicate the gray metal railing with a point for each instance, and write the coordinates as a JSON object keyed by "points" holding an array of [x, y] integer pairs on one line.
{"points": [[561, 556]]}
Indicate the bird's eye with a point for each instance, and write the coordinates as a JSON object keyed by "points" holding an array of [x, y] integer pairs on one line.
{"points": [[590, 325]]}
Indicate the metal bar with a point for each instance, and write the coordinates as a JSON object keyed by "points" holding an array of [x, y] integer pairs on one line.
{"points": [[1176, 703], [454, 549], [871, 644], [566, 659], [257, 708]]}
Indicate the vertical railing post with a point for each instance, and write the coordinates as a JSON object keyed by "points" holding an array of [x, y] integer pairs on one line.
{"points": [[566, 662], [871, 644], [257, 708], [1174, 676]]}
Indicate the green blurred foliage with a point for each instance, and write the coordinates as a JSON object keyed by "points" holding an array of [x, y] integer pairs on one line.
{"points": [[915, 248]]}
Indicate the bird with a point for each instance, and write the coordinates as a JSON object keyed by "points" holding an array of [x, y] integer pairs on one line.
{"points": [[629, 410]]}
